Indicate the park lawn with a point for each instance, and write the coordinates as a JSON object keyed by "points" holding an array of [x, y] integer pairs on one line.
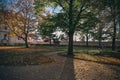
{"points": [[37, 55], [98, 58], [105, 56], [23, 56], [94, 54]]}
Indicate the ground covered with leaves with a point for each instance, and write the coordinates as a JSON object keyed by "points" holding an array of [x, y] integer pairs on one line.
{"points": [[23, 56], [53, 63], [37, 55]]}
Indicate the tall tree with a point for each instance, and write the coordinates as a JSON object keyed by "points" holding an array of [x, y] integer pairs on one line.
{"points": [[103, 29], [2, 7], [88, 24], [112, 6], [72, 11], [46, 25], [20, 19]]}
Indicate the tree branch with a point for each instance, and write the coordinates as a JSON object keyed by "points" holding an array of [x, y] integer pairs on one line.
{"points": [[79, 14], [59, 2]]}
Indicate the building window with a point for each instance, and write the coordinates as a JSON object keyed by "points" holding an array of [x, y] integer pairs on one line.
{"points": [[19, 38], [5, 28], [5, 36]]}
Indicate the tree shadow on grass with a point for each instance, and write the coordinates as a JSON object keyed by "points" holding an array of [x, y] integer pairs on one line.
{"points": [[68, 70], [99, 60], [89, 71], [109, 54]]}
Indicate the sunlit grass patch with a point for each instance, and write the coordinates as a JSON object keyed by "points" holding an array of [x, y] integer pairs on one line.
{"points": [[98, 58], [111, 58], [22, 56], [105, 55]]}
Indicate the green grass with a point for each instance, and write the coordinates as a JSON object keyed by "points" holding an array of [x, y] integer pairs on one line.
{"points": [[54, 48], [106, 55], [85, 50]]}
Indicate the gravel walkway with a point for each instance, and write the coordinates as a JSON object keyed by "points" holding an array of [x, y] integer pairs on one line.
{"points": [[62, 69]]}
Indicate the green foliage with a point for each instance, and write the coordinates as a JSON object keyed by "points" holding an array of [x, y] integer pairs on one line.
{"points": [[39, 6], [70, 16], [61, 21], [88, 22], [79, 15], [46, 27]]}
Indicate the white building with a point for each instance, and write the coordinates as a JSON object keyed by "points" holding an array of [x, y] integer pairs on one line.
{"points": [[7, 39]]}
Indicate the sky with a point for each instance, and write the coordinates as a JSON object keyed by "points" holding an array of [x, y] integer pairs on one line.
{"points": [[9, 1], [53, 10], [5, 2]]}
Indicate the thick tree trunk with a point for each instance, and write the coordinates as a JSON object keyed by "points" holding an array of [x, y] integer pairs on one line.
{"points": [[26, 41], [50, 42], [114, 14], [71, 28], [114, 35], [114, 26], [70, 46]]}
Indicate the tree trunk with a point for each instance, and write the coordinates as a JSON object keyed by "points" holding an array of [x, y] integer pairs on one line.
{"points": [[50, 42], [100, 36], [114, 35], [71, 28], [119, 28], [87, 40], [114, 26], [26, 41], [99, 43], [70, 46]]}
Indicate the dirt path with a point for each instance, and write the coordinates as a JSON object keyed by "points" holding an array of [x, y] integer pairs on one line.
{"points": [[62, 68]]}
